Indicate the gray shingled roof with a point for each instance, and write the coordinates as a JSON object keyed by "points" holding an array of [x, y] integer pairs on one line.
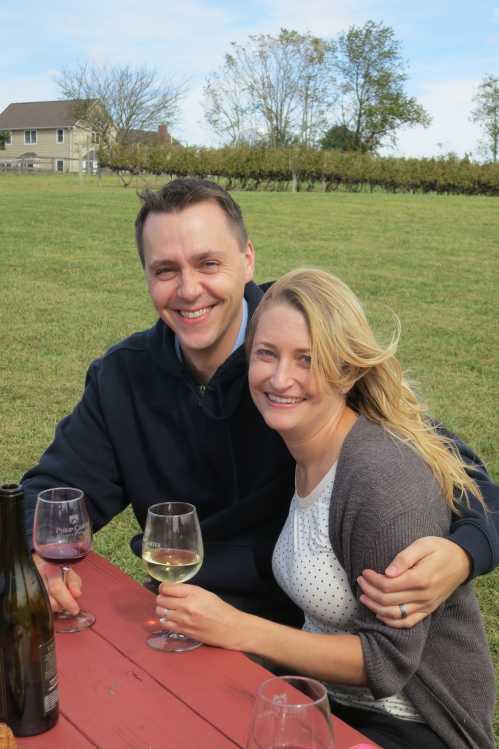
{"points": [[149, 137], [40, 114]]}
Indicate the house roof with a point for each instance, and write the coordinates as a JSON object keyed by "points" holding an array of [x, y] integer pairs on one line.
{"points": [[42, 114], [150, 137]]}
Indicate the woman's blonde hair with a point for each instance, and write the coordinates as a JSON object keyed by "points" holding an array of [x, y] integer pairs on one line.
{"points": [[346, 355]]}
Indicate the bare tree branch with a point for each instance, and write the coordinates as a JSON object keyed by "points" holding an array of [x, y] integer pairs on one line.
{"points": [[275, 87], [122, 98]]}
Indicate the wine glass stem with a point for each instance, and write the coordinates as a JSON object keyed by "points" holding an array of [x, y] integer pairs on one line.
{"points": [[65, 570]]}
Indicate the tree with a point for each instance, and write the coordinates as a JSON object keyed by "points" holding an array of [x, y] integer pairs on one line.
{"points": [[486, 114], [339, 137], [371, 76], [274, 90], [227, 108], [121, 98], [4, 137]]}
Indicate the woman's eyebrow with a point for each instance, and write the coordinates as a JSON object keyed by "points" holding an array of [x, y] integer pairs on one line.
{"points": [[262, 342]]}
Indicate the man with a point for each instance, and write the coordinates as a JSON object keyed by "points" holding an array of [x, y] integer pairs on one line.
{"points": [[166, 415]]}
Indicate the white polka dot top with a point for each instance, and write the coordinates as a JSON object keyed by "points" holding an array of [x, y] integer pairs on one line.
{"points": [[306, 568]]}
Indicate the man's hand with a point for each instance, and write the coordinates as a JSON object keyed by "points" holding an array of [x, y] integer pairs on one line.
{"points": [[62, 595], [200, 614], [421, 577]]}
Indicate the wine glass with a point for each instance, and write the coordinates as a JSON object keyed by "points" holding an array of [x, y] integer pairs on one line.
{"points": [[172, 551], [62, 534], [291, 712]]}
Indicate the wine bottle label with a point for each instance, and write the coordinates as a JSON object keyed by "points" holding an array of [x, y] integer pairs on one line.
{"points": [[3, 691], [49, 676]]}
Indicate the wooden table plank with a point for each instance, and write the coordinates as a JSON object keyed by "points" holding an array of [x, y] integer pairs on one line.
{"points": [[117, 705], [120, 705]]}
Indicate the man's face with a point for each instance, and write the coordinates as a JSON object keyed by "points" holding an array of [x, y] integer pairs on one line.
{"points": [[196, 273]]}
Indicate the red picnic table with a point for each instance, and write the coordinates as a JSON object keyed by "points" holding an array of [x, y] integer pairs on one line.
{"points": [[117, 693]]}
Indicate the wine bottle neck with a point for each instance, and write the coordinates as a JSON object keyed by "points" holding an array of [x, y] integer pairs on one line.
{"points": [[13, 544]]}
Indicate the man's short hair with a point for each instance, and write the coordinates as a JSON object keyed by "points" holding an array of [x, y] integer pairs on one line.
{"points": [[182, 193]]}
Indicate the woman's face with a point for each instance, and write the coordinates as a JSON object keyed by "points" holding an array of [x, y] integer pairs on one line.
{"points": [[287, 393]]}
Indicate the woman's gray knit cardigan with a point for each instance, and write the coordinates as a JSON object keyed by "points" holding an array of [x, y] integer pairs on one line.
{"points": [[384, 498]]}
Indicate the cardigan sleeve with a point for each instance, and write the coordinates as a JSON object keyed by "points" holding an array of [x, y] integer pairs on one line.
{"points": [[391, 655], [384, 498]]}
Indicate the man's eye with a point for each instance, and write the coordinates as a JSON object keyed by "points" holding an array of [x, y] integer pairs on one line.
{"points": [[164, 272], [210, 265]]}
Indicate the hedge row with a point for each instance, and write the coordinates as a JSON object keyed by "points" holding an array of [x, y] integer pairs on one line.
{"points": [[307, 169]]}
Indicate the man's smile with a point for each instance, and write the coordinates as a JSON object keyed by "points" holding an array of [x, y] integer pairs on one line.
{"points": [[194, 314]]}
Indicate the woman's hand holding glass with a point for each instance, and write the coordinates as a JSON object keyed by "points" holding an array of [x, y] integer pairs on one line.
{"points": [[201, 614]]}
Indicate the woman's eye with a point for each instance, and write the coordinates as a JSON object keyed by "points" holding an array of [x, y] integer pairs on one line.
{"points": [[306, 360], [264, 353]]}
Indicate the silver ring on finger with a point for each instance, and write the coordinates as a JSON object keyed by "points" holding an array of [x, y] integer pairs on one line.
{"points": [[403, 611], [164, 616]]}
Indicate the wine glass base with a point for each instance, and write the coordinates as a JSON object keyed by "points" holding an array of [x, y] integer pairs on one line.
{"points": [[171, 642], [65, 622]]}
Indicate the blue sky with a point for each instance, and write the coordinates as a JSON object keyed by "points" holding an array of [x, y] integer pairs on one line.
{"points": [[449, 47]]}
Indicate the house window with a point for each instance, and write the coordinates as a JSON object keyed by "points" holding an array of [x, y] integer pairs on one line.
{"points": [[59, 135], [59, 165], [95, 137], [30, 136]]}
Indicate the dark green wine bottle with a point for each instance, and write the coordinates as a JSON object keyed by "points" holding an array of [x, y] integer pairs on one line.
{"points": [[29, 701]]}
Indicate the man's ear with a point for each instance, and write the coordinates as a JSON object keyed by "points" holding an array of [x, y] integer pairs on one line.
{"points": [[249, 256]]}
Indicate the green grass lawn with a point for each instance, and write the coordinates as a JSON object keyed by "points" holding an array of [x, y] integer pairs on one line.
{"points": [[71, 285]]}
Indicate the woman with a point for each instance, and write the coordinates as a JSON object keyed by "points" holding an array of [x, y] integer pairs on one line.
{"points": [[372, 475]]}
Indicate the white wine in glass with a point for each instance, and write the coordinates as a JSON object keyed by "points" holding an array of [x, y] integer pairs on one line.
{"points": [[172, 565], [172, 552]]}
